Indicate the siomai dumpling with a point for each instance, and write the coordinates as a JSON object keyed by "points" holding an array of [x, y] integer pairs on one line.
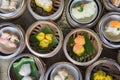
{"points": [[44, 39], [101, 75], [49, 37], [40, 36], [78, 49], [44, 43], [79, 40], [47, 5]]}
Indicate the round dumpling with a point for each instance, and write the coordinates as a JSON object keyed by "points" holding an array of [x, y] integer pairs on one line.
{"points": [[27, 78], [57, 77], [25, 70]]}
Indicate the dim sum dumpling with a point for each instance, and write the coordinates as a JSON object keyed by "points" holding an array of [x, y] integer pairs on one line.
{"points": [[113, 28], [4, 4], [13, 5], [57, 77], [63, 73], [25, 70], [88, 10], [27, 78]]}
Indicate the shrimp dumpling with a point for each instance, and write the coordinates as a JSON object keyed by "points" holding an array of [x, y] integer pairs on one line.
{"points": [[47, 5]]}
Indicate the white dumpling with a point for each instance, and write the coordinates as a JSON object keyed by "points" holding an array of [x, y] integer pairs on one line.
{"points": [[63, 73], [45, 2], [5, 35], [57, 77], [13, 5], [4, 4], [77, 14], [25, 70], [114, 31], [27, 78], [88, 10]]}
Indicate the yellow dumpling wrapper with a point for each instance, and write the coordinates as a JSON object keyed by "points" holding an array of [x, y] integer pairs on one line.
{"points": [[78, 49], [109, 78], [101, 75], [47, 5], [44, 43], [49, 37], [40, 36]]}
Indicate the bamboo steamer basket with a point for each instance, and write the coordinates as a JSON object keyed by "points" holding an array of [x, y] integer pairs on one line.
{"points": [[77, 24], [34, 28], [63, 64], [105, 64], [109, 6], [15, 14], [39, 64], [95, 41], [10, 27], [111, 43], [58, 7], [118, 57]]}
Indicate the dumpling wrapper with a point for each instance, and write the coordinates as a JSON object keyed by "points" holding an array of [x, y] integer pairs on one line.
{"points": [[13, 5], [57, 77], [114, 31], [88, 10], [4, 4], [63, 73], [25, 70], [27, 78]]}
